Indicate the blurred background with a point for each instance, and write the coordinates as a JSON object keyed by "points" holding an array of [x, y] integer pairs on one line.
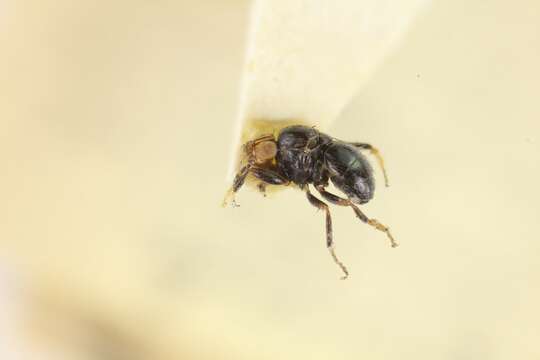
{"points": [[115, 128]]}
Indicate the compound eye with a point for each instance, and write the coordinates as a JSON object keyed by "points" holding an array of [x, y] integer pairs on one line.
{"points": [[265, 151]]}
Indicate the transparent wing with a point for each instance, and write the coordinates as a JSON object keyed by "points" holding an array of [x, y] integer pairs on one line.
{"points": [[305, 59]]}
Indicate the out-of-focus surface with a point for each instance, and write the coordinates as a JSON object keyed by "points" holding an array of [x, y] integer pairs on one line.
{"points": [[115, 129]]}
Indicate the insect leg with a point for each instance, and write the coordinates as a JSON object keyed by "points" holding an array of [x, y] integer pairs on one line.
{"points": [[269, 176], [334, 199], [329, 241], [248, 149], [375, 152], [237, 184]]}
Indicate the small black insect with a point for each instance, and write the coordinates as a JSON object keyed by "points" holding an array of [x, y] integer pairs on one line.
{"points": [[304, 156]]}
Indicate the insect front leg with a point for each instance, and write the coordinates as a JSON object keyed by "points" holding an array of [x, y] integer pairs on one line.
{"points": [[238, 181], [329, 240], [334, 199], [375, 152], [253, 154], [266, 175], [269, 176]]}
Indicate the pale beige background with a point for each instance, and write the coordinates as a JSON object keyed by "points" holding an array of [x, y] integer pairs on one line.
{"points": [[116, 119]]}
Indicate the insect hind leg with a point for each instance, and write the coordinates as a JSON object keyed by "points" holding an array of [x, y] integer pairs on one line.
{"points": [[334, 199]]}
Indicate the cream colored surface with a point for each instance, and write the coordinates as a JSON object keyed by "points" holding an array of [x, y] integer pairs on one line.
{"points": [[115, 129], [291, 40]]}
